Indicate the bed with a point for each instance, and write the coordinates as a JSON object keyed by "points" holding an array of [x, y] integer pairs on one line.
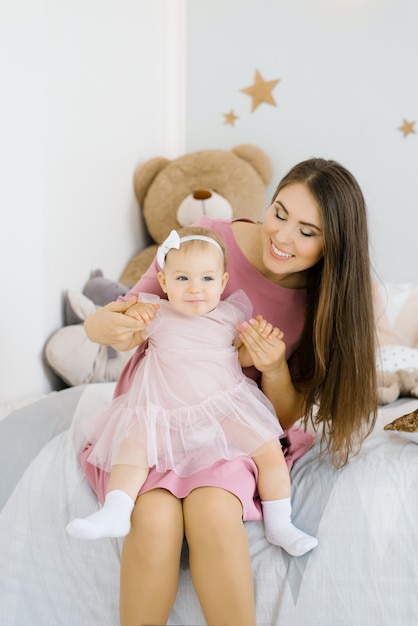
{"points": [[363, 573]]}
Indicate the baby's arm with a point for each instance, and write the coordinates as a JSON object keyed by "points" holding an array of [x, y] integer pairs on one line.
{"points": [[265, 349], [143, 312], [244, 356]]}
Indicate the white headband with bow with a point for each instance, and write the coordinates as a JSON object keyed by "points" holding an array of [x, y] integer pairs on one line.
{"points": [[174, 241]]}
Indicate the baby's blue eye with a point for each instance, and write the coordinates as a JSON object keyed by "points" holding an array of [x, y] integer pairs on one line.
{"points": [[207, 278], [181, 277]]}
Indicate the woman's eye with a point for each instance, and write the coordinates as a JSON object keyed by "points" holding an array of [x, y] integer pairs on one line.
{"points": [[280, 215], [305, 234]]}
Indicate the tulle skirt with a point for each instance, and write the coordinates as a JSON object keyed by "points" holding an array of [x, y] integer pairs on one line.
{"points": [[188, 439]]}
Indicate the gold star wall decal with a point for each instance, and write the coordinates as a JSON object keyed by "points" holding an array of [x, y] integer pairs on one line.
{"points": [[407, 128], [260, 91], [230, 118]]}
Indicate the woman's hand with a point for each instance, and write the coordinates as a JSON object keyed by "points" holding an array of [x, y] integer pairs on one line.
{"points": [[110, 326], [264, 343], [266, 347]]}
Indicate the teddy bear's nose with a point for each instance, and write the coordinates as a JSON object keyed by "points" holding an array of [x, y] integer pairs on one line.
{"points": [[202, 194]]}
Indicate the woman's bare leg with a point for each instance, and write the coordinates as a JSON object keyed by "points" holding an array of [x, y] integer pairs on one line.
{"points": [[219, 557], [150, 560]]}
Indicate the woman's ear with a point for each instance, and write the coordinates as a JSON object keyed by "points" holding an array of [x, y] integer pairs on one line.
{"points": [[162, 281]]}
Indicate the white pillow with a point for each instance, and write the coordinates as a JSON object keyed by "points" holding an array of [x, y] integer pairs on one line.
{"points": [[393, 358]]}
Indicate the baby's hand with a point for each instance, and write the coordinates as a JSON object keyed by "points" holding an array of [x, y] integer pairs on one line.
{"points": [[264, 343], [266, 329], [143, 312]]}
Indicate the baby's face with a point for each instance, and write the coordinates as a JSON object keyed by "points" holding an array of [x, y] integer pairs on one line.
{"points": [[194, 278]]}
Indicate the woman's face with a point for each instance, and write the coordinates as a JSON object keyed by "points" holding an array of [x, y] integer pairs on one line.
{"points": [[292, 236]]}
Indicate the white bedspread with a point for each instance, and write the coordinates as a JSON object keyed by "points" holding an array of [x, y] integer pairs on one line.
{"points": [[364, 572]]}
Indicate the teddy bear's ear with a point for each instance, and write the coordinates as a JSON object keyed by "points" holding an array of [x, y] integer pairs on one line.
{"points": [[145, 174], [257, 158]]}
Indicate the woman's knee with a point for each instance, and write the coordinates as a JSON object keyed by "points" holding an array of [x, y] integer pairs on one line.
{"points": [[157, 521], [212, 514]]}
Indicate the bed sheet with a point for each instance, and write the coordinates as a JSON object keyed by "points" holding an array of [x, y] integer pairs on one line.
{"points": [[363, 573]]}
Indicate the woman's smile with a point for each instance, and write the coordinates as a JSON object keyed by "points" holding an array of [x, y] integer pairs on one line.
{"points": [[278, 252]]}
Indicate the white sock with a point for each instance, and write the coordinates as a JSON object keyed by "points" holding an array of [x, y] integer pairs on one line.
{"points": [[281, 532], [113, 519]]}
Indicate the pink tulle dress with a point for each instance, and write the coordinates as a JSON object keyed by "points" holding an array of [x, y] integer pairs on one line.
{"points": [[189, 404]]}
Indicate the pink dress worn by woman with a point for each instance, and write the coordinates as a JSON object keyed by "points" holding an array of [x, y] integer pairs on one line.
{"points": [[284, 308]]}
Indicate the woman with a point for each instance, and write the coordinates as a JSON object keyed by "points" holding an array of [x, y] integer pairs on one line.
{"points": [[307, 270]]}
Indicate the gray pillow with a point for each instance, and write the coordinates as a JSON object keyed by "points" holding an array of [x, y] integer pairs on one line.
{"points": [[26, 431]]}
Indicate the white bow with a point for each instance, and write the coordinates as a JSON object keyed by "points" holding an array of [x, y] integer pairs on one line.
{"points": [[172, 241]]}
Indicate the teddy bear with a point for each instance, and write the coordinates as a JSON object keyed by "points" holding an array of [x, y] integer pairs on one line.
{"points": [[396, 318], [393, 385], [173, 193], [69, 353], [397, 373]]}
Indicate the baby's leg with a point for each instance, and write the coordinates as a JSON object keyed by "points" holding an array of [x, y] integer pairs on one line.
{"points": [[114, 518], [274, 489]]}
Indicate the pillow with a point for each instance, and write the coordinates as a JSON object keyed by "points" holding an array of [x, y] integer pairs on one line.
{"points": [[8, 407], [25, 431], [391, 358]]}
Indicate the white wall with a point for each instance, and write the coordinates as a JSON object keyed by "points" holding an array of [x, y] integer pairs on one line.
{"points": [[91, 88], [87, 94], [348, 77]]}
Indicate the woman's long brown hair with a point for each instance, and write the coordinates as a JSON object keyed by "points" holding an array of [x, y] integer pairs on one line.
{"points": [[336, 356]]}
